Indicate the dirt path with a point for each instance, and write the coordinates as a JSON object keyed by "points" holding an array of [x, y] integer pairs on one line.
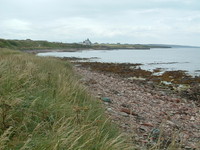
{"points": [[143, 113]]}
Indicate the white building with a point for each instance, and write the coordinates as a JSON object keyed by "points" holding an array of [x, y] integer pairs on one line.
{"points": [[87, 42]]}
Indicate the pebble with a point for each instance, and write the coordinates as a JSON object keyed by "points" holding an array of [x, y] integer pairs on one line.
{"points": [[143, 128], [147, 124], [99, 97], [150, 108], [188, 148], [192, 118], [110, 109], [106, 103], [126, 105], [123, 114], [99, 94]]}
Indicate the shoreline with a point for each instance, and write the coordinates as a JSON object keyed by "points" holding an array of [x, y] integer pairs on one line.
{"points": [[36, 51], [133, 70], [154, 69], [139, 107]]}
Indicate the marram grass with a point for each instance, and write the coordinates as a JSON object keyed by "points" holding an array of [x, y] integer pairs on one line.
{"points": [[43, 107]]}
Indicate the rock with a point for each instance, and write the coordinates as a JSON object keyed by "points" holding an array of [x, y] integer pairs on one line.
{"points": [[155, 134], [124, 114], [119, 94], [188, 148], [177, 100], [106, 99], [173, 124], [143, 129], [128, 111], [99, 97], [106, 103], [150, 82], [182, 87], [166, 83], [196, 126], [126, 105], [151, 106], [77, 65], [147, 124], [192, 118], [110, 109], [135, 78]]}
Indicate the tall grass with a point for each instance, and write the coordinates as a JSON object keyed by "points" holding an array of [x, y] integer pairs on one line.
{"points": [[43, 107], [33, 45]]}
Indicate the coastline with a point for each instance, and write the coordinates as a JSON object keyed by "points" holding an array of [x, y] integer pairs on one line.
{"points": [[139, 102], [139, 107], [36, 51]]}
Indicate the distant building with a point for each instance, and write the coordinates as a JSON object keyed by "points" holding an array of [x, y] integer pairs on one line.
{"points": [[87, 42]]}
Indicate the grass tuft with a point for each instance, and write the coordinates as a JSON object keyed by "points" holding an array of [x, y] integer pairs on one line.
{"points": [[43, 106]]}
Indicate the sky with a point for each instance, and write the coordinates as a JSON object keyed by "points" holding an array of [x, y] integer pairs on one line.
{"points": [[102, 21]]}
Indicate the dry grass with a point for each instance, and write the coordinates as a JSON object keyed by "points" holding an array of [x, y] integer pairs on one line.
{"points": [[42, 106]]}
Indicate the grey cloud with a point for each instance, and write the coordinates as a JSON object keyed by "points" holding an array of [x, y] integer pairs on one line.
{"points": [[144, 21]]}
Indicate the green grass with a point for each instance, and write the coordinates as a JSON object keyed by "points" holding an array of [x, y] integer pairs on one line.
{"points": [[33, 45], [44, 107], [41, 45]]}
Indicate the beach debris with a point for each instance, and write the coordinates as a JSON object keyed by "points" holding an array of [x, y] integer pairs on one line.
{"points": [[106, 99], [155, 134]]}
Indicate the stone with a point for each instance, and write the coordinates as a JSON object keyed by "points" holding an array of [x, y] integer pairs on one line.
{"points": [[143, 129], [175, 125], [154, 105], [99, 97], [147, 124], [192, 118], [155, 133], [106, 99], [126, 105], [166, 83], [110, 109], [128, 111], [123, 114]]}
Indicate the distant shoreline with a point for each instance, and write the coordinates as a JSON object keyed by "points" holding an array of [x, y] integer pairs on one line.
{"points": [[35, 51]]}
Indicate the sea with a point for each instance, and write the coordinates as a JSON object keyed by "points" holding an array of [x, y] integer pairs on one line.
{"points": [[166, 59]]}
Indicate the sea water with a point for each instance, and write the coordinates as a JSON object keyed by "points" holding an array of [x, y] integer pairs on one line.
{"points": [[187, 59]]}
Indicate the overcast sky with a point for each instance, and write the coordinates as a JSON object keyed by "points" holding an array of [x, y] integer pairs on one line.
{"points": [[124, 21]]}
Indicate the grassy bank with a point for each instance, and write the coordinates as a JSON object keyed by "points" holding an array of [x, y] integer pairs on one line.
{"points": [[43, 106], [38, 45], [45, 45]]}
